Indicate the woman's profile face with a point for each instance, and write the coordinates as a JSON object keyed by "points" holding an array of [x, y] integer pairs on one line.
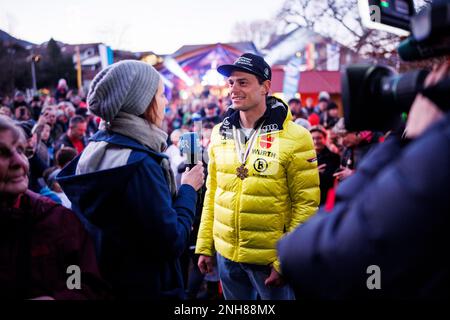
{"points": [[13, 165], [160, 105], [45, 132]]}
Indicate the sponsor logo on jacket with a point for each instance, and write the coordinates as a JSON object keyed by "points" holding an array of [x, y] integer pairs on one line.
{"points": [[266, 141], [264, 153], [269, 128]]}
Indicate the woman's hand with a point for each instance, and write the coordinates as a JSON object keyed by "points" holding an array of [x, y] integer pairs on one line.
{"points": [[194, 177]]}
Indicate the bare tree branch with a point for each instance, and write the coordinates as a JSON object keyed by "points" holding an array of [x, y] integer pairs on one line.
{"points": [[338, 20]]}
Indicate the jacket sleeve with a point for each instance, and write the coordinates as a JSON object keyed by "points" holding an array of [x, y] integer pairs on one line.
{"points": [[205, 241], [166, 225], [303, 181]]}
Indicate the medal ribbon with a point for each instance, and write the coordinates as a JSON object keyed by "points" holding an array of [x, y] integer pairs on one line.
{"points": [[237, 141]]}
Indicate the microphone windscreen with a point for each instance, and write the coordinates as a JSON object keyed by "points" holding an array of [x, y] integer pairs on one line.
{"points": [[190, 146]]}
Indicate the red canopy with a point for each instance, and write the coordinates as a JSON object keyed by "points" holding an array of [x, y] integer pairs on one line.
{"points": [[310, 81]]}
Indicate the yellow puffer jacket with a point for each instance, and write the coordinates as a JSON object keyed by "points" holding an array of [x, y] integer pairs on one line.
{"points": [[244, 219]]}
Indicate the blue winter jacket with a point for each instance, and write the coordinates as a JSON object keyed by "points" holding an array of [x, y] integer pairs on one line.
{"points": [[140, 230], [392, 214]]}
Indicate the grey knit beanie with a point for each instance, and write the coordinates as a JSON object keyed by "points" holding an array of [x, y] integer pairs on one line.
{"points": [[127, 86]]}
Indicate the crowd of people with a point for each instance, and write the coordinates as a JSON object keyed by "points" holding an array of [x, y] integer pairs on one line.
{"points": [[108, 169]]}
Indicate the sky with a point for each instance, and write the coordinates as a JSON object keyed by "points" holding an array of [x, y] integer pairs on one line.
{"points": [[137, 25]]}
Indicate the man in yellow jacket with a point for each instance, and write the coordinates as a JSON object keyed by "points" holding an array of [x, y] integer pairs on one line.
{"points": [[263, 182]]}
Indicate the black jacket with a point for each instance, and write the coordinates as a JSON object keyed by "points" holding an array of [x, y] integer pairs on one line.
{"points": [[332, 160]]}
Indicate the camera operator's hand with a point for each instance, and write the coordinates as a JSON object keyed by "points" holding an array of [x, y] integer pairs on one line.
{"points": [[194, 177], [423, 111], [343, 173]]}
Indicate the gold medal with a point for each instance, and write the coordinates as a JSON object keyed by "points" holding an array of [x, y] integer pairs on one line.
{"points": [[242, 152], [242, 172]]}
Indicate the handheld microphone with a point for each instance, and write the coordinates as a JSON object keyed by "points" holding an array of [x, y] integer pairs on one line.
{"points": [[190, 146]]}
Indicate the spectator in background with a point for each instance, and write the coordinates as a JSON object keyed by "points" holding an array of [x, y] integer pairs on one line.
{"points": [[36, 107], [211, 113], [296, 109], [6, 101], [36, 164], [77, 102], [329, 118], [44, 97], [39, 238], [19, 101], [328, 162], [22, 113], [46, 191], [64, 155], [5, 111], [174, 152], [43, 131], [324, 99], [356, 146], [92, 123], [70, 110], [314, 119], [42, 151], [75, 136], [309, 108], [49, 116], [53, 188], [62, 91], [62, 121]]}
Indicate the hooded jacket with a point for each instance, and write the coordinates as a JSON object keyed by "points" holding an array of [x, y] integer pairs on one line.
{"points": [[243, 219], [126, 203]]}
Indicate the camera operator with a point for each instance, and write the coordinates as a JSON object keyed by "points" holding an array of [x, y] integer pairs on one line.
{"points": [[391, 216]]}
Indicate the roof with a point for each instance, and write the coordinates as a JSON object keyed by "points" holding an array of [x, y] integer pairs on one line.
{"points": [[197, 57], [310, 81], [71, 48], [6, 37], [279, 38], [283, 47], [246, 46]]}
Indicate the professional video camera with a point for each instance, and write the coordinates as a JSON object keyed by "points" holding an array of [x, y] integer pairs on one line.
{"points": [[375, 96]]}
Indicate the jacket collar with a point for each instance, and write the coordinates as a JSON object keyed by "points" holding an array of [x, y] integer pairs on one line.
{"points": [[123, 141], [277, 112]]}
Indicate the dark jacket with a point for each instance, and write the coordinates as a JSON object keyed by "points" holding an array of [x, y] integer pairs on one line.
{"points": [[64, 141], [142, 231], [332, 160], [39, 240], [351, 157], [393, 213]]}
